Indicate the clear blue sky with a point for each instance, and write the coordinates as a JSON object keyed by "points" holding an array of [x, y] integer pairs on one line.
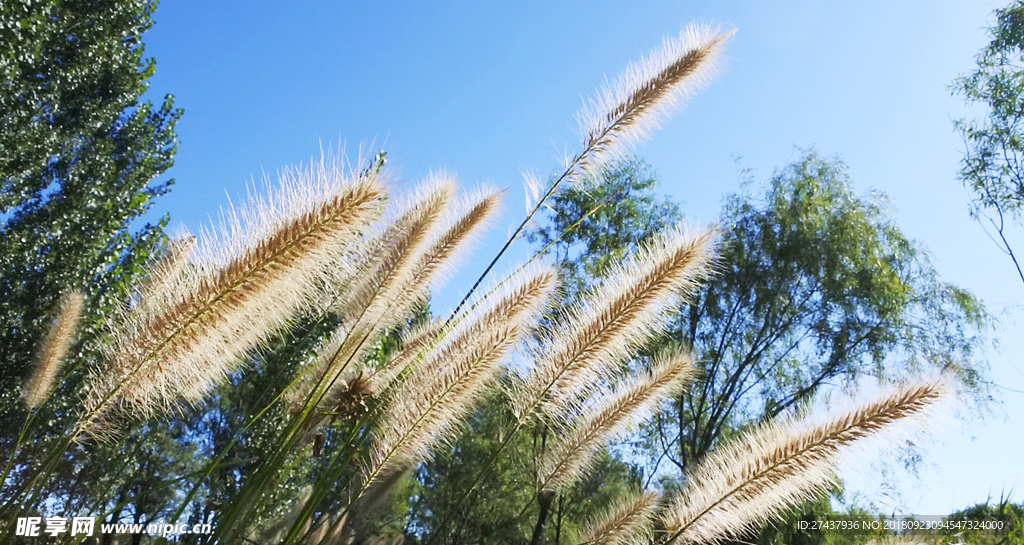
{"points": [[486, 90]]}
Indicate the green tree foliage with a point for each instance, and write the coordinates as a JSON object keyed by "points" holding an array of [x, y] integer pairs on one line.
{"points": [[817, 288], [502, 509], [998, 523], [591, 227], [1004, 520], [991, 167], [78, 157], [989, 523]]}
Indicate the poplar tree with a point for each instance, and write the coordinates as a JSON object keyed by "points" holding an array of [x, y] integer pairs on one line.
{"points": [[80, 159]]}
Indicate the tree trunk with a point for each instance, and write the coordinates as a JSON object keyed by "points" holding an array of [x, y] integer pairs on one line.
{"points": [[545, 499]]}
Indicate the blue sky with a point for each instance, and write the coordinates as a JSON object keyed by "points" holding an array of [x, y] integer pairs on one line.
{"points": [[485, 91]]}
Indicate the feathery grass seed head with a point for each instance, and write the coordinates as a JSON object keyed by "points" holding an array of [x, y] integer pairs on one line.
{"points": [[592, 339], [613, 415], [247, 289], [468, 217], [167, 279], [415, 346], [426, 407], [54, 348], [626, 522], [752, 479], [393, 253], [648, 91], [410, 252]]}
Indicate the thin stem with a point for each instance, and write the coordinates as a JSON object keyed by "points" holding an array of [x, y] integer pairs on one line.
{"points": [[592, 146]]}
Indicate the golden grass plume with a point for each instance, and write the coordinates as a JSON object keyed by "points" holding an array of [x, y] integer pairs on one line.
{"points": [[611, 416], [374, 300], [425, 407], [249, 279], [626, 522], [626, 111], [415, 346], [752, 479], [54, 348], [164, 280], [395, 251], [398, 279], [588, 343]]}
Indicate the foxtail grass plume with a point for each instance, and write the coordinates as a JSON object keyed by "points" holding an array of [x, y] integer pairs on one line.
{"points": [[611, 416], [406, 276], [265, 263], [427, 405], [532, 185], [54, 348], [475, 213], [626, 522], [399, 282], [369, 304], [626, 111], [164, 281], [396, 251], [415, 346], [469, 217], [751, 480], [591, 340]]}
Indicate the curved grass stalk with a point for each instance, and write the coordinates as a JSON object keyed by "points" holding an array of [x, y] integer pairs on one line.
{"points": [[431, 401], [619, 314], [393, 298], [439, 392], [441, 250], [628, 111], [370, 304], [629, 307]]}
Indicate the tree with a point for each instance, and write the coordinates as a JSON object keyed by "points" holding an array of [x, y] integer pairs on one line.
{"points": [[816, 288], [1001, 522], [78, 158], [500, 509], [991, 167], [591, 226]]}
